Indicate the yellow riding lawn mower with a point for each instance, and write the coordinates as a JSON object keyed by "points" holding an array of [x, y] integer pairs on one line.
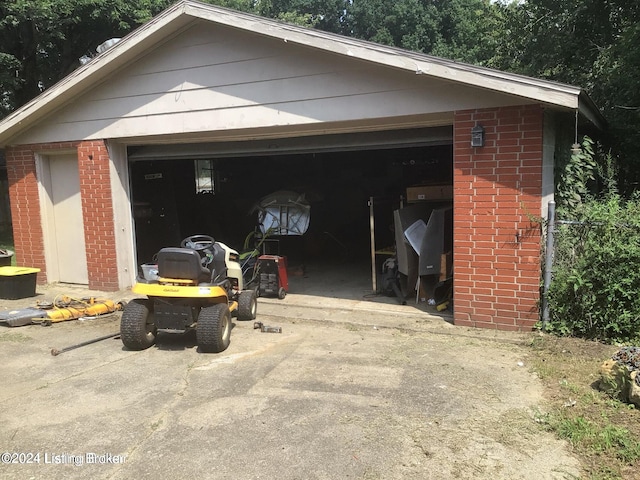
{"points": [[198, 286]]}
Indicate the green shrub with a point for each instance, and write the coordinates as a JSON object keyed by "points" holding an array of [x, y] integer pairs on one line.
{"points": [[595, 291]]}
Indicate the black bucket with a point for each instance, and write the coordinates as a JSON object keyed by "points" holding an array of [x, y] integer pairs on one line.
{"points": [[5, 257]]}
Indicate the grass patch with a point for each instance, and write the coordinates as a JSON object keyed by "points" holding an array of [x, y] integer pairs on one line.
{"points": [[603, 432], [601, 438]]}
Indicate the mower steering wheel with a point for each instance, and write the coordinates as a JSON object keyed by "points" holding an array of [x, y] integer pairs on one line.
{"points": [[198, 242]]}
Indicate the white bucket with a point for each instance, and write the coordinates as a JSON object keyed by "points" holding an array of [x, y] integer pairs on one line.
{"points": [[150, 271]]}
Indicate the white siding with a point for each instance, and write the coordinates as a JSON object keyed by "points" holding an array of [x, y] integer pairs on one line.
{"points": [[217, 79], [548, 161], [122, 216]]}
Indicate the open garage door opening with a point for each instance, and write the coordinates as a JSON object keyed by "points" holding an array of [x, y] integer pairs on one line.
{"points": [[346, 191]]}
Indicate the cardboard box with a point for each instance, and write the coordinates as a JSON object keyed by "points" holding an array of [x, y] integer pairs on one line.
{"points": [[18, 282], [429, 193]]}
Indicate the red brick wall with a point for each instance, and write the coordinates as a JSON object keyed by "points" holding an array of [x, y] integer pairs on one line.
{"points": [[95, 191], [497, 188], [97, 210]]}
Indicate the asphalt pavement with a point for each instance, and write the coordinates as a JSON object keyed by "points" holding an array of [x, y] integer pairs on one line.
{"points": [[350, 389]]}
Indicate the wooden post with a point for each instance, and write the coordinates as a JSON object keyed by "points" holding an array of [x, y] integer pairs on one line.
{"points": [[373, 247]]}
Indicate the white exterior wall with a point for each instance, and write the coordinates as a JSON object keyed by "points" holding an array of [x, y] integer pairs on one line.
{"points": [[122, 215], [548, 161], [213, 78]]}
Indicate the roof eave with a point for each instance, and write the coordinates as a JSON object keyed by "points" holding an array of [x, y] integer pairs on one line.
{"points": [[544, 91], [588, 110], [183, 13]]}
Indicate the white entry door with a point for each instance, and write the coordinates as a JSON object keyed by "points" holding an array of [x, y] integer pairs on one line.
{"points": [[68, 231]]}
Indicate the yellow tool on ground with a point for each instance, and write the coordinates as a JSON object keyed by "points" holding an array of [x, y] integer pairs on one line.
{"points": [[61, 309], [67, 308]]}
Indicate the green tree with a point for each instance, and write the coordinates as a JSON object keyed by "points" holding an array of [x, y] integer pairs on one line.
{"points": [[462, 30], [42, 40], [327, 15], [594, 44], [469, 31], [410, 24]]}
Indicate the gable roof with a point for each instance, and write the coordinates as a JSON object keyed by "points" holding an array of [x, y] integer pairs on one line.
{"points": [[181, 15]]}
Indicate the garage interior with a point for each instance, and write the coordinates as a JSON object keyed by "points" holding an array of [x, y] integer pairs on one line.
{"points": [[180, 190]]}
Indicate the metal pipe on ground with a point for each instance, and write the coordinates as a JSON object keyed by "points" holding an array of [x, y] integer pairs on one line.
{"points": [[55, 352]]}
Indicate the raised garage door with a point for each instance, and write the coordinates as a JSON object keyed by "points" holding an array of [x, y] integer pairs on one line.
{"points": [[322, 143]]}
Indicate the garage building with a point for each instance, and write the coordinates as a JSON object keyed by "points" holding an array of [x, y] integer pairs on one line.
{"points": [[185, 124]]}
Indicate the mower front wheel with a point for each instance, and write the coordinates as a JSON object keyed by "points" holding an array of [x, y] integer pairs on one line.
{"points": [[137, 330], [213, 331], [247, 305]]}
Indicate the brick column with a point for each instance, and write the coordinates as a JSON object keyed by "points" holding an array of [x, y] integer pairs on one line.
{"points": [[498, 192], [25, 209], [97, 210]]}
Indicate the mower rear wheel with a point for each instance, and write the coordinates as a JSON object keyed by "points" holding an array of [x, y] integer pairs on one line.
{"points": [[247, 305], [137, 330], [213, 331]]}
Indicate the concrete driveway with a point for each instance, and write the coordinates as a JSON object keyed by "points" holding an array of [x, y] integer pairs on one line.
{"points": [[349, 389]]}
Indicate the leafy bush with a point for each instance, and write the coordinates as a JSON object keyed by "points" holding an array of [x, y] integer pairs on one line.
{"points": [[578, 172], [595, 291]]}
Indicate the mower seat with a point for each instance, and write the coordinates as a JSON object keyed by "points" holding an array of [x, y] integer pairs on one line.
{"points": [[219, 264], [182, 263]]}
